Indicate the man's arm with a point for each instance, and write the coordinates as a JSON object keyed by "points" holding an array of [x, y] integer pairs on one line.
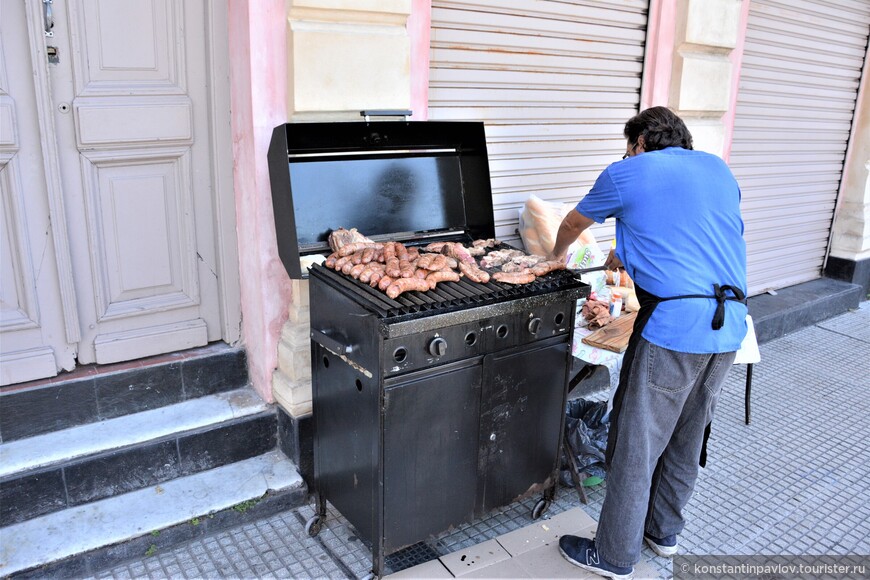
{"points": [[572, 226]]}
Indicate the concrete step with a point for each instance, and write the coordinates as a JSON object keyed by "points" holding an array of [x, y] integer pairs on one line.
{"points": [[64, 469], [95, 393], [81, 540]]}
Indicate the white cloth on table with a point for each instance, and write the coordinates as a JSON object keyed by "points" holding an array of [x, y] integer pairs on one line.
{"points": [[748, 353], [612, 361]]}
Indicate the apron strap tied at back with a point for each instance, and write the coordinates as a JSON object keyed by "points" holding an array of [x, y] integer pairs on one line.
{"points": [[720, 297]]}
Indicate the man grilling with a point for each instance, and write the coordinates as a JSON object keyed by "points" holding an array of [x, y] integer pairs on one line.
{"points": [[680, 237]]}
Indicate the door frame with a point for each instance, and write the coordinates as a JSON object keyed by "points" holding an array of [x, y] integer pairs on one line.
{"points": [[223, 196]]}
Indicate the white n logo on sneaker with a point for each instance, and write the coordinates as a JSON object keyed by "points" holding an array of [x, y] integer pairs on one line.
{"points": [[592, 556]]}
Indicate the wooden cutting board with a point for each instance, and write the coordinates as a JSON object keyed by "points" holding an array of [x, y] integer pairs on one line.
{"points": [[615, 335]]}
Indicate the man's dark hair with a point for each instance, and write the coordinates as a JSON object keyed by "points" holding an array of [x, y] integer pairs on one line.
{"points": [[660, 127]]}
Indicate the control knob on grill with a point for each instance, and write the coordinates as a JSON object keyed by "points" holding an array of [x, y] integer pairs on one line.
{"points": [[437, 346], [534, 325]]}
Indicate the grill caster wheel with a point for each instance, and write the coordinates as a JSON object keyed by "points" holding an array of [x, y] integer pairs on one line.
{"points": [[540, 508], [313, 525]]}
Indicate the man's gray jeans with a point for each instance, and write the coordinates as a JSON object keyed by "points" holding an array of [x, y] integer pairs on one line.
{"points": [[668, 401]]}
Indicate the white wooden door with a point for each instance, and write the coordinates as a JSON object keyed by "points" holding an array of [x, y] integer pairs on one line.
{"points": [[38, 331], [128, 125]]}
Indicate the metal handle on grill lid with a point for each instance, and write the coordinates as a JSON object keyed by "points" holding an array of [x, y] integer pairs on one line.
{"points": [[386, 113], [330, 343]]}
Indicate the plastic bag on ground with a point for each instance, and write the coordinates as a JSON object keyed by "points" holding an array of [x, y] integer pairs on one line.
{"points": [[586, 426]]}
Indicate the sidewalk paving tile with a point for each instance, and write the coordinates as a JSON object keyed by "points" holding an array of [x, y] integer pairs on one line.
{"points": [[467, 560]]}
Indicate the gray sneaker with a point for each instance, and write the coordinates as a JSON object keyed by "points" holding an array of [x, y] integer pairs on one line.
{"points": [[583, 553]]}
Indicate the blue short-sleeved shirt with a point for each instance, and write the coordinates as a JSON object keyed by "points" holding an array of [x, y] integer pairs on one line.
{"points": [[678, 231]]}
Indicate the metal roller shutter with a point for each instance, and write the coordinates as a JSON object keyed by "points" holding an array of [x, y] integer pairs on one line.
{"points": [[796, 100], [553, 81]]}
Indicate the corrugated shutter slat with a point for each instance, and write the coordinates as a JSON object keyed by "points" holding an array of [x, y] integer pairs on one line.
{"points": [[553, 81], [799, 80]]}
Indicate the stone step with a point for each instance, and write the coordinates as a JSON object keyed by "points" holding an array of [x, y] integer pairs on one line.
{"points": [[81, 540], [790, 309], [64, 469], [96, 393]]}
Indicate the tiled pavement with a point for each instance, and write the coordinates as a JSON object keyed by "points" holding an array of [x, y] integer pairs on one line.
{"points": [[795, 481]]}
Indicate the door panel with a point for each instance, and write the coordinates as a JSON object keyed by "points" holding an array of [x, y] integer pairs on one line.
{"points": [[135, 70], [33, 341]]}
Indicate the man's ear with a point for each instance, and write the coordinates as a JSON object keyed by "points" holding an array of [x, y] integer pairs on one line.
{"points": [[641, 142]]}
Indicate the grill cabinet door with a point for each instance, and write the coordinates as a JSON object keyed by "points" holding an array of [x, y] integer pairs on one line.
{"points": [[523, 402], [346, 422], [430, 452]]}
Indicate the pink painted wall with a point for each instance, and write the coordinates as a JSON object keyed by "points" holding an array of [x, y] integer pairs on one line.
{"points": [[258, 92], [736, 57], [658, 54], [419, 32]]}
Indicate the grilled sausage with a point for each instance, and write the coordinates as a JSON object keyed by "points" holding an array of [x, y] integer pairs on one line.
{"points": [[459, 252], [406, 285], [473, 273], [366, 275], [544, 268], [339, 263], [385, 282], [394, 269], [442, 276], [425, 260], [514, 277], [406, 268], [354, 247], [436, 246], [368, 255], [330, 260], [389, 251], [357, 256], [357, 270]]}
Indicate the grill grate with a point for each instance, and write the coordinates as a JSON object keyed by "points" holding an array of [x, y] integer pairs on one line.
{"points": [[447, 296]]}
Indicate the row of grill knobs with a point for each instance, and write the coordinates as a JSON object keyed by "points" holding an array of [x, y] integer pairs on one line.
{"points": [[438, 346]]}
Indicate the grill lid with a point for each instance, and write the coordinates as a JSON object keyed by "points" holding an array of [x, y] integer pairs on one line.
{"points": [[391, 180]]}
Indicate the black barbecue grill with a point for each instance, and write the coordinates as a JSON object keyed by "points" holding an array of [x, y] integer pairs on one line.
{"points": [[434, 408]]}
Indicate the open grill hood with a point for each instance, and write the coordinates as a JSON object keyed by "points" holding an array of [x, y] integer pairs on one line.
{"points": [[391, 180]]}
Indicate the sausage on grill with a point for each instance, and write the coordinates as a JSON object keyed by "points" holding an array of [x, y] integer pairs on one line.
{"points": [[366, 275], [514, 277], [394, 269], [544, 268], [473, 273], [442, 276], [406, 285], [354, 247]]}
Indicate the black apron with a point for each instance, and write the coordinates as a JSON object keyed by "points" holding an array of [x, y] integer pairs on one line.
{"points": [[648, 304]]}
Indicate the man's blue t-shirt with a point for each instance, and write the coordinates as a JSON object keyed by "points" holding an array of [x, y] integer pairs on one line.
{"points": [[678, 231]]}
